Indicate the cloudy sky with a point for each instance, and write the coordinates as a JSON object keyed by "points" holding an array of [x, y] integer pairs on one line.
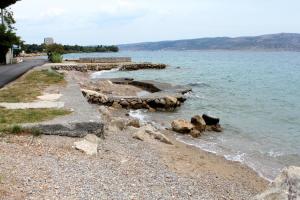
{"points": [[92, 22]]}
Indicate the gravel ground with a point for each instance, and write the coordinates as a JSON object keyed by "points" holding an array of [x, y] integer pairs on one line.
{"points": [[49, 168]]}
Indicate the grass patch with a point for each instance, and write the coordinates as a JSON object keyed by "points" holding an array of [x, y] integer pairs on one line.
{"points": [[29, 115], [30, 86], [10, 118]]}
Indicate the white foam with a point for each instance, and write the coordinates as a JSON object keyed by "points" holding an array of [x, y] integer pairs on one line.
{"points": [[99, 74], [240, 157], [275, 154], [138, 114]]}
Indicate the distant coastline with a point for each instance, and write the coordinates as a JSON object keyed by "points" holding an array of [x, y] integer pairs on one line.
{"points": [[271, 42]]}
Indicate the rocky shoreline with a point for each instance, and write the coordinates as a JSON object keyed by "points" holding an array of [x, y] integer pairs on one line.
{"points": [[132, 159]]}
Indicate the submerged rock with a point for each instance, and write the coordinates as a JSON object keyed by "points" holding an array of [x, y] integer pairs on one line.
{"points": [[182, 126], [285, 187]]}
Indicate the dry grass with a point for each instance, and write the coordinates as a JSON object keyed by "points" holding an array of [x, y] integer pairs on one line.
{"points": [[30, 86]]}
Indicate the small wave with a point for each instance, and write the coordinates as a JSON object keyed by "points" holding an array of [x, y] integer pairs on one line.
{"points": [[98, 74], [199, 84], [194, 95], [237, 158], [138, 114], [275, 154]]}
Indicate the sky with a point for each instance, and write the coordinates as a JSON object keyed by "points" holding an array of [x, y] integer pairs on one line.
{"points": [[93, 22]]}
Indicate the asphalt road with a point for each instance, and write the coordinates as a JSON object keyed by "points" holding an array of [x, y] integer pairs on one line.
{"points": [[10, 73]]}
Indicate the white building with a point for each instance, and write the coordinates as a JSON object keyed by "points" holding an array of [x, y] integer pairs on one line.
{"points": [[48, 41]]}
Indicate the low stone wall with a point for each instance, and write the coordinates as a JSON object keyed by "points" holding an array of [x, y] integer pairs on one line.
{"points": [[106, 66], [157, 102], [152, 86], [105, 60]]}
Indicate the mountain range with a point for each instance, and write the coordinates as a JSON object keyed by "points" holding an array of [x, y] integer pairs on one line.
{"points": [[270, 42]]}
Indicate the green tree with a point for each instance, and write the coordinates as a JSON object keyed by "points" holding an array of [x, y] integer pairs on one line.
{"points": [[7, 39], [4, 4], [9, 19]]}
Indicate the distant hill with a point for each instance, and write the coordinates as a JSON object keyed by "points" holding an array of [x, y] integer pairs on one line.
{"points": [[272, 42]]}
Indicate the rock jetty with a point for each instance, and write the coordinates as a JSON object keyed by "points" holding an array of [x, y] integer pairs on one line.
{"points": [[85, 67]]}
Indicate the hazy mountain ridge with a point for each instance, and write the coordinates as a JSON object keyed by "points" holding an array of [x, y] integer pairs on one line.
{"points": [[276, 42]]}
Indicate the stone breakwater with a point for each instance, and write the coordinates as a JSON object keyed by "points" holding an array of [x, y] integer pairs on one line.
{"points": [[106, 66], [162, 96], [138, 66], [151, 103]]}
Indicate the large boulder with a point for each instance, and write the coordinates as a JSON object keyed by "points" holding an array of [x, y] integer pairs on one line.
{"points": [[210, 121], [285, 187], [182, 126], [199, 123]]}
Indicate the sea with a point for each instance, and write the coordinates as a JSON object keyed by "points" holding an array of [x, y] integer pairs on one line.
{"points": [[255, 94]]}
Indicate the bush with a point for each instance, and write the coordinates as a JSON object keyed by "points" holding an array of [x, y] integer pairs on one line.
{"points": [[35, 132], [16, 129], [55, 57]]}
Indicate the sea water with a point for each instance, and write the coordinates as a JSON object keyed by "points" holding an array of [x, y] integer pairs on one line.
{"points": [[255, 94]]}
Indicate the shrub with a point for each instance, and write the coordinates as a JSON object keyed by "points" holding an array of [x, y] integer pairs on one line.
{"points": [[55, 57], [16, 129], [35, 132]]}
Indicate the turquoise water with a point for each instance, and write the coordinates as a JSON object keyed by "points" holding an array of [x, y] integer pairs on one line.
{"points": [[256, 95]]}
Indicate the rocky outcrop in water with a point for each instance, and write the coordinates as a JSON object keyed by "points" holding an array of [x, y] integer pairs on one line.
{"points": [[197, 126], [285, 187]]}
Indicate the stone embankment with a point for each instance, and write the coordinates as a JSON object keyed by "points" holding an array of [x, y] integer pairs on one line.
{"points": [[85, 67]]}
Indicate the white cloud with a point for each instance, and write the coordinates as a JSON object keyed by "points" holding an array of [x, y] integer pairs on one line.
{"points": [[122, 21], [52, 12]]}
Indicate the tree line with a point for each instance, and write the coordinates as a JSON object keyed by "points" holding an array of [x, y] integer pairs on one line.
{"points": [[63, 49]]}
